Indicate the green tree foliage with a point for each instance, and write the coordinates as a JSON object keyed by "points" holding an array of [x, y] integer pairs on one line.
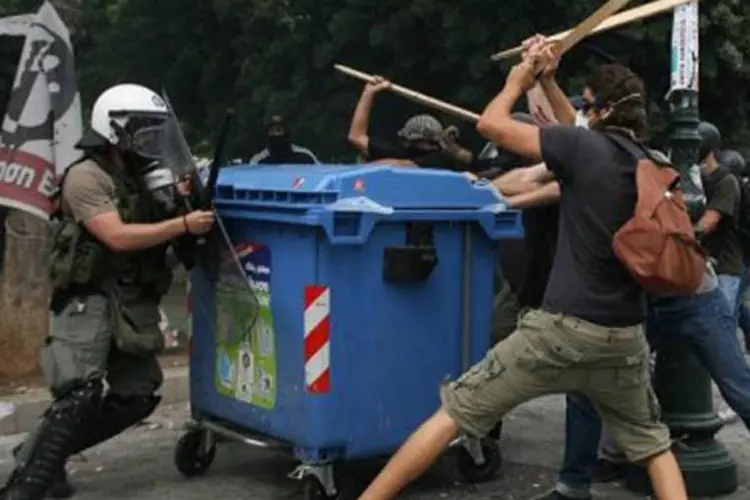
{"points": [[276, 56]]}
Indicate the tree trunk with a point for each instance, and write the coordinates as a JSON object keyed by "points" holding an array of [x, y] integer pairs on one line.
{"points": [[24, 297]]}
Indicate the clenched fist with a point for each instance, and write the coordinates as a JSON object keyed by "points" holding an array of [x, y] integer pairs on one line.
{"points": [[199, 222]]}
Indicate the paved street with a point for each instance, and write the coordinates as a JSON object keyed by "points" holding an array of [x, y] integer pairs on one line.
{"points": [[139, 465]]}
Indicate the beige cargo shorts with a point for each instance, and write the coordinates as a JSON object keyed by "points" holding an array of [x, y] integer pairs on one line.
{"points": [[554, 353]]}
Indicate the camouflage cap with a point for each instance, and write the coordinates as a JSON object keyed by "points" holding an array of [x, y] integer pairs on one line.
{"points": [[421, 127]]}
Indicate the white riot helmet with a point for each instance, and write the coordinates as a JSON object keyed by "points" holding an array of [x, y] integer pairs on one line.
{"points": [[129, 116], [133, 119]]}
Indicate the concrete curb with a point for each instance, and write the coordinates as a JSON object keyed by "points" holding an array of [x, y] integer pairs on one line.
{"points": [[31, 404]]}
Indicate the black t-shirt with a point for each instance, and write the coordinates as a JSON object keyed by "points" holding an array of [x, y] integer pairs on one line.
{"points": [[379, 149], [723, 195], [597, 179]]}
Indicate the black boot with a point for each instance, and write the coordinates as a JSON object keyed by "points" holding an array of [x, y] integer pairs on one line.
{"points": [[52, 443], [6, 490], [61, 488], [116, 414]]}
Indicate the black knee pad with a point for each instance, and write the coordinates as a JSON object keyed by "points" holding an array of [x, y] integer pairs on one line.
{"points": [[131, 409], [78, 401], [117, 413]]}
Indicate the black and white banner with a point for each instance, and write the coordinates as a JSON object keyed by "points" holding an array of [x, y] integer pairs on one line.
{"points": [[43, 119], [16, 25]]}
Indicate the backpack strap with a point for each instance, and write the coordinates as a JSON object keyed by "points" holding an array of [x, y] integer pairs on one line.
{"points": [[57, 194], [639, 151], [120, 180]]}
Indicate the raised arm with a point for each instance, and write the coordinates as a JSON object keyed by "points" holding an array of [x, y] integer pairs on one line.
{"points": [[359, 129], [496, 123], [539, 48]]}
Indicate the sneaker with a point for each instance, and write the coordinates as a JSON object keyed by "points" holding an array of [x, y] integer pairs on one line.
{"points": [[554, 495], [607, 471]]}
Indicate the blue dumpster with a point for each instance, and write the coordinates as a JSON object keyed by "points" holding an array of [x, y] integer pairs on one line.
{"points": [[362, 289]]}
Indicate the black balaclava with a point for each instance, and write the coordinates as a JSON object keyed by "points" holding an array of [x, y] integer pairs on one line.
{"points": [[278, 145]]}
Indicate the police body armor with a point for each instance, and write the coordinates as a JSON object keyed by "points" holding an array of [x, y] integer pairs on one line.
{"points": [[134, 282]]}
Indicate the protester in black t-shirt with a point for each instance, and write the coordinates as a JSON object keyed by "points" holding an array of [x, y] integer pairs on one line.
{"points": [[422, 141], [719, 225], [587, 336]]}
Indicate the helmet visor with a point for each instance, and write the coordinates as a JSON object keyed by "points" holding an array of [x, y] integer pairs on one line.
{"points": [[146, 134]]}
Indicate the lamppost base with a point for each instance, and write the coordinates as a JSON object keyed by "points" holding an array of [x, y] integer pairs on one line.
{"points": [[708, 469]]}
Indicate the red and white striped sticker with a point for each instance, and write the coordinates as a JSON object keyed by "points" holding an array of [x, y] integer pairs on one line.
{"points": [[317, 339]]}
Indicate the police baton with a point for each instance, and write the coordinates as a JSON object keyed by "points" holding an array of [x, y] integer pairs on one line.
{"points": [[209, 190]]}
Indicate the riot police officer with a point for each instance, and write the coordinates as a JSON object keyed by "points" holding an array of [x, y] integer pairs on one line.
{"points": [[108, 275]]}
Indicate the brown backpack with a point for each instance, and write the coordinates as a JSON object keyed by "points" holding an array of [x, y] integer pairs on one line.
{"points": [[658, 244]]}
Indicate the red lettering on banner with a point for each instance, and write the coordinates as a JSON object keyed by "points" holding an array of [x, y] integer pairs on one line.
{"points": [[26, 178]]}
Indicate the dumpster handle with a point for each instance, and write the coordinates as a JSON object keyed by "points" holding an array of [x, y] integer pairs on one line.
{"points": [[466, 300], [350, 221]]}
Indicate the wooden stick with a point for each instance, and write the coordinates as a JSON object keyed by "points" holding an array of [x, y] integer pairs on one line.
{"points": [[417, 97], [625, 17], [588, 25]]}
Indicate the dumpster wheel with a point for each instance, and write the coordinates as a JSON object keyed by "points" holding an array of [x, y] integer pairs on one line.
{"points": [[313, 490], [192, 456], [474, 472]]}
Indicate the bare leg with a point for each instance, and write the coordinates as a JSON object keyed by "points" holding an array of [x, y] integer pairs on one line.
{"points": [[414, 457], [666, 477]]}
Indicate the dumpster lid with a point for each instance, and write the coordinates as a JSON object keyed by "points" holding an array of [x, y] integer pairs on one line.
{"points": [[393, 187]]}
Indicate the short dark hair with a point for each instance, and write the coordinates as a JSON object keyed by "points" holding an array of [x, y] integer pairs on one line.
{"points": [[614, 85]]}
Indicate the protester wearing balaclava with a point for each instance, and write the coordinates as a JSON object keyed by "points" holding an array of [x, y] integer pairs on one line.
{"points": [[279, 148]]}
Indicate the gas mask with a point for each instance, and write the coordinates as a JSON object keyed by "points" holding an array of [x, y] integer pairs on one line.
{"points": [[146, 143], [160, 182]]}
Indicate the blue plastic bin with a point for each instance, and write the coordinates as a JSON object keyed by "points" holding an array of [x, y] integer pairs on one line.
{"points": [[343, 362]]}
